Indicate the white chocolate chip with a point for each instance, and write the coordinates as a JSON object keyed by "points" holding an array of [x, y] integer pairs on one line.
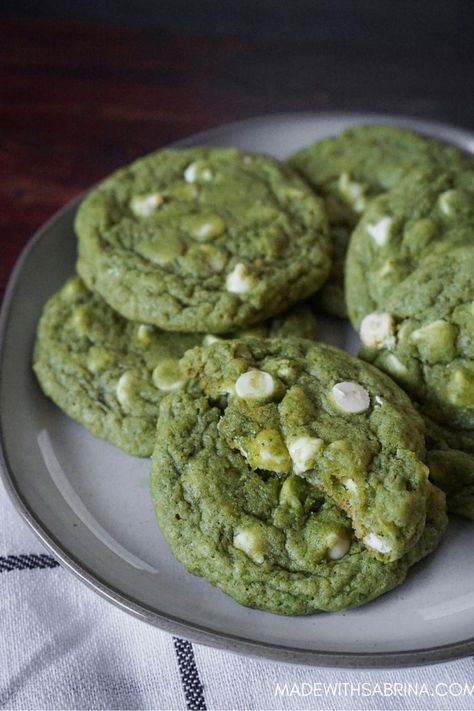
{"points": [[214, 257], [126, 389], [352, 191], [197, 172], [98, 359], [80, 320], [255, 384], [380, 231], [372, 540], [447, 202], [304, 452], [72, 289], [394, 365], [144, 332], [145, 205], [377, 330], [289, 493], [167, 376], [239, 281], [338, 544], [350, 397], [350, 485], [209, 339], [270, 460], [251, 543], [431, 330], [204, 228], [268, 451]]}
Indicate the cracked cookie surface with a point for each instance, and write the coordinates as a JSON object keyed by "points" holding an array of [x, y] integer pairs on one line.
{"points": [[203, 239], [271, 541], [313, 410]]}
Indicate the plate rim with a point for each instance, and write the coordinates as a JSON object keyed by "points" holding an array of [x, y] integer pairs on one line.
{"points": [[198, 633]]}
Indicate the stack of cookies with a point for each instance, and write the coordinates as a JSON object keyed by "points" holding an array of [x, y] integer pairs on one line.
{"points": [[290, 474]]}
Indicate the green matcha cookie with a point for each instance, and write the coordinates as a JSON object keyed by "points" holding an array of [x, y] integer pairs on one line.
{"points": [[270, 540], [106, 373], [110, 374], [450, 456], [350, 169], [292, 406], [424, 338], [428, 213], [203, 239]]}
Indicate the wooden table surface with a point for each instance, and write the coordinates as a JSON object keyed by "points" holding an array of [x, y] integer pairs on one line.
{"points": [[78, 100]]}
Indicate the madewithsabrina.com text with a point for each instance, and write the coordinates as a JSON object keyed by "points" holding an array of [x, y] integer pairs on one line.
{"points": [[367, 689]]}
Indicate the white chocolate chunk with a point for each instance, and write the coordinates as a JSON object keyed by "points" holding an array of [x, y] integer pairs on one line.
{"points": [[350, 485], [377, 330], [126, 389], [198, 171], [268, 451], [144, 332], [270, 460], [209, 339], [255, 384], [80, 320], [98, 359], [372, 540], [304, 452], [167, 376], [239, 281], [289, 493], [380, 231], [214, 257], [447, 202], [338, 544], [350, 397], [204, 228], [209, 230], [250, 542], [431, 330], [353, 192], [145, 205], [72, 289], [394, 365]]}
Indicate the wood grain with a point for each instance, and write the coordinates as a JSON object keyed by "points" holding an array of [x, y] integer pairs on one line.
{"points": [[78, 100]]}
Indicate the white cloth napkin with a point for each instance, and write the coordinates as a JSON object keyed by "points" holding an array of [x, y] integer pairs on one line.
{"points": [[64, 647]]}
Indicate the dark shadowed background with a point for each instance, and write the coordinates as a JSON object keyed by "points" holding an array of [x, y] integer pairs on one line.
{"points": [[88, 85]]}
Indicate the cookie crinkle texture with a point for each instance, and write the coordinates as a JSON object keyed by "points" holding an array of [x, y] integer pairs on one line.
{"points": [[234, 510], [292, 406], [350, 169], [428, 213], [109, 374], [430, 349], [203, 239]]}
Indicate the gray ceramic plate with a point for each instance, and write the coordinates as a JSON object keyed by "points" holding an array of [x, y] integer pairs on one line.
{"points": [[89, 502]]}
